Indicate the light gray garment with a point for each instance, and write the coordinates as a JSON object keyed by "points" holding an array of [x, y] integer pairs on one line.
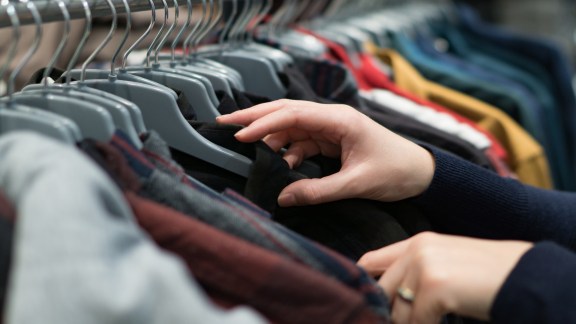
{"points": [[79, 256]]}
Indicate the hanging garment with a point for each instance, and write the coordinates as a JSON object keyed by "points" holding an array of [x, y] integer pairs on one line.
{"points": [[241, 218], [542, 59], [79, 255], [533, 90], [527, 158]]}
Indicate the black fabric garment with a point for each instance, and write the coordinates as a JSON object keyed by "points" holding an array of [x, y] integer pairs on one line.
{"points": [[55, 74], [298, 87], [351, 227], [406, 125], [7, 217]]}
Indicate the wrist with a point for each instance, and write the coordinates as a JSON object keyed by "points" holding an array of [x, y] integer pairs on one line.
{"points": [[421, 172]]}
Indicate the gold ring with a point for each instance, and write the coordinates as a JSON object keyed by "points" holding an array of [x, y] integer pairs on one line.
{"points": [[406, 294]]}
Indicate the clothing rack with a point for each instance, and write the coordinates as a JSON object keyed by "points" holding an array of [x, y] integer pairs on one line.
{"points": [[99, 8]]}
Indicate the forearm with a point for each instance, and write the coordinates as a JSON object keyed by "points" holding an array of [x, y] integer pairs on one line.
{"points": [[464, 199]]}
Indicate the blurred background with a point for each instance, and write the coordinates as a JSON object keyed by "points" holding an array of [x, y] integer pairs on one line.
{"points": [[552, 19]]}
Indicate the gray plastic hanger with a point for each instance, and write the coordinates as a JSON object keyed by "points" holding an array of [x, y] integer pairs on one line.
{"points": [[259, 73], [200, 30], [198, 93], [239, 36], [162, 114], [291, 40], [109, 80], [219, 80], [94, 121], [120, 113], [197, 35], [18, 117]]}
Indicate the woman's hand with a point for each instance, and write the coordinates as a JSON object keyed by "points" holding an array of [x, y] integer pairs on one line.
{"points": [[445, 274], [376, 163]]}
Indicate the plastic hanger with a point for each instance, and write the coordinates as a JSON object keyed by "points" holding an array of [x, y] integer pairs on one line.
{"points": [[294, 41], [200, 94], [243, 43], [219, 79], [94, 121], [121, 115], [259, 74], [17, 117], [122, 84], [200, 30], [162, 114]]}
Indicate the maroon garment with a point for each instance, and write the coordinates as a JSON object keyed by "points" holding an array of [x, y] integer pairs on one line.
{"points": [[235, 272]]}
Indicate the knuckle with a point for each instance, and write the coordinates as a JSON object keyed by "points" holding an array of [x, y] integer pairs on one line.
{"points": [[283, 103], [434, 278], [424, 239]]}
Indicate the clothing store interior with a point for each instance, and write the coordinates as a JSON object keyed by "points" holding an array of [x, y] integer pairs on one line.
{"points": [[124, 200]]}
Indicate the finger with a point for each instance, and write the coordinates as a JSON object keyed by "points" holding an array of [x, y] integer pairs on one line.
{"points": [[294, 117], [402, 309], [247, 116], [277, 141], [394, 276], [317, 191], [299, 151], [426, 309], [377, 262]]}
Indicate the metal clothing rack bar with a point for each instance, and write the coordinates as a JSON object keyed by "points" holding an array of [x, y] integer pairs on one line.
{"points": [[50, 11]]}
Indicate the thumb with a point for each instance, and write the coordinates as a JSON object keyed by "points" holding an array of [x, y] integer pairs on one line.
{"points": [[316, 191]]}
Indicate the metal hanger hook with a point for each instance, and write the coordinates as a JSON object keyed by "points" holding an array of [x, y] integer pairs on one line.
{"points": [[63, 42], [38, 37], [142, 37], [104, 43]]}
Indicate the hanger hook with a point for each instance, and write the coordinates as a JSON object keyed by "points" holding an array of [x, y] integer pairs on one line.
{"points": [[204, 27], [63, 42], [213, 23], [252, 13], [157, 37], [105, 42], [236, 30], [170, 30], [141, 38], [86, 34], [186, 44], [38, 23], [182, 30], [228, 26], [266, 6], [15, 21], [277, 18], [124, 38]]}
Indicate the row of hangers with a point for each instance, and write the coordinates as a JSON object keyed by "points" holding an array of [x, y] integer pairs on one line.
{"points": [[93, 103]]}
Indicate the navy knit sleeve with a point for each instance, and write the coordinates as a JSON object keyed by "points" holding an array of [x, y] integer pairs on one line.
{"points": [[464, 199], [540, 289]]}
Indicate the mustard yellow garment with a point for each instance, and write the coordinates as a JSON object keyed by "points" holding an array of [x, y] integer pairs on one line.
{"points": [[526, 157]]}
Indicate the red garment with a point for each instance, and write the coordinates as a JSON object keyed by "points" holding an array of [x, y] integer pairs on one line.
{"points": [[235, 272], [369, 76], [339, 53]]}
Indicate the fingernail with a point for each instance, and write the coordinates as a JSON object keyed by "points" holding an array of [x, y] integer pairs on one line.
{"points": [[240, 132], [287, 200]]}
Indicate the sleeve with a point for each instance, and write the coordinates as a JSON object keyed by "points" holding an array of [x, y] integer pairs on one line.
{"points": [[540, 289], [464, 199]]}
